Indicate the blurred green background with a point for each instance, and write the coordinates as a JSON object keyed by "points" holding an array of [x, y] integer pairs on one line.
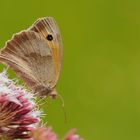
{"points": [[100, 78]]}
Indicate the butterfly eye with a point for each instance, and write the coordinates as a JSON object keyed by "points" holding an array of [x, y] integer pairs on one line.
{"points": [[49, 37]]}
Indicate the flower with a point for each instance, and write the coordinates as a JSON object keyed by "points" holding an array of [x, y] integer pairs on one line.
{"points": [[19, 117], [18, 112], [42, 133], [72, 136]]}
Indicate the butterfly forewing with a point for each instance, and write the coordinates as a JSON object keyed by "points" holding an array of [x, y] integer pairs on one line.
{"points": [[48, 26]]}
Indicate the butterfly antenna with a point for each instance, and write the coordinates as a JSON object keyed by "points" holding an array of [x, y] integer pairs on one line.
{"points": [[63, 106]]}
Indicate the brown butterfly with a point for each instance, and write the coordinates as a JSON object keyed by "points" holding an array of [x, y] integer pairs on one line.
{"points": [[35, 55]]}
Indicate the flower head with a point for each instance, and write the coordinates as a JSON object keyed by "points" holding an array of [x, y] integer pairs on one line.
{"points": [[18, 113], [19, 116], [72, 136], [42, 133]]}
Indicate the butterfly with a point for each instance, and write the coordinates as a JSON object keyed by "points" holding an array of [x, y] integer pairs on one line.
{"points": [[35, 54]]}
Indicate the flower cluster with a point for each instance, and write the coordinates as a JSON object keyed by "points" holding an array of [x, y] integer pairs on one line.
{"points": [[42, 133], [71, 135], [19, 115]]}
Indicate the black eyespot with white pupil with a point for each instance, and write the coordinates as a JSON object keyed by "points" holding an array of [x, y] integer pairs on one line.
{"points": [[49, 37]]}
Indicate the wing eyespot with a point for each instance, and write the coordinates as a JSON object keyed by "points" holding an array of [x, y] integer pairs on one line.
{"points": [[49, 37]]}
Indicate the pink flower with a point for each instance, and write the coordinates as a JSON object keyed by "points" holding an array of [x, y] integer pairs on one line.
{"points": [[18, 114], [19, 117], [42, 133], [72, 136]]}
